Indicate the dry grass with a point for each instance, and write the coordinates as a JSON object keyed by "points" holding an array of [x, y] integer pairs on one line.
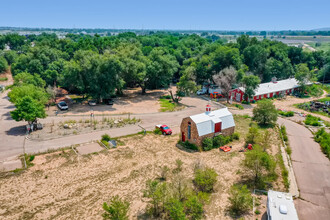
{"points": [[63, 186]]}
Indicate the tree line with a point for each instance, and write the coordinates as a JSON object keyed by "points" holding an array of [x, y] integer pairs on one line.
{"points": [[103, 66]]}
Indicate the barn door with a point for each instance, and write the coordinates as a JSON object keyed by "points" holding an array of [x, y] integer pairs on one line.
{"points": [[183, 137], [217, 127], [238, 97]]}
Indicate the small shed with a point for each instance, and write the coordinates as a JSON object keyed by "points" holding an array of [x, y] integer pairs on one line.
{"points": [[208, 124]]}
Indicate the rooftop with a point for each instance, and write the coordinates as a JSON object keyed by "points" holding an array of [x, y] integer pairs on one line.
{"points": [[280, 206], [205, 121], [281, 85]]}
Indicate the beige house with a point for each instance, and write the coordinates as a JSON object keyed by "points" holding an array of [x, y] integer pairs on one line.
{"points": [[208, 124]]}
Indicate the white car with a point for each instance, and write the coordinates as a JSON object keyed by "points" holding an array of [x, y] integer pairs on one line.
{"points": [[62, 105], [201, 91], [92, 102]]}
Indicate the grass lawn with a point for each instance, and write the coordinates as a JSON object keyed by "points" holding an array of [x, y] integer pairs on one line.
{"points": [[78, 98], [168, 105], [325, 46]]}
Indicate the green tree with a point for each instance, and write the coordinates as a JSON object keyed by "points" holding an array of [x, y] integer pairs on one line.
{"points": [[253, 135], [37, 93], [265, 112], [250, 83], [28, 109], [255, 57], [225, 56], [258, 163], [3, 64], [117, 209], [26, 78], [160, 70], [240, 200], [303, 75], [205, 179], [10, 56], [187, 82], [157, 193], [265, 140], [106, 78]]}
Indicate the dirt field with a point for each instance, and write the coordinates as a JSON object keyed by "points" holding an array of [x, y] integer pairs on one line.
{"points": [[62, 185], [131, 102]]}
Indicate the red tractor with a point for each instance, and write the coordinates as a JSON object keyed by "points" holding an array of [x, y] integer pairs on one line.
{"points": [[225, 148], [246, 148]]}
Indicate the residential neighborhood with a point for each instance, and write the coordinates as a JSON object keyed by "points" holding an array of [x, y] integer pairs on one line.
{"points": [[188, 116]]}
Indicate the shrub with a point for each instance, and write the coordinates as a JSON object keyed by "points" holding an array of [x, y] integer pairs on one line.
{"points": [[252, 136], [157, 131], [189, 145], [193, 207], [283, 132], [3, 78], [106, 143], [239, 106], [105, 137], [312, 120], [164, 172], [116, 210], [235, 136], [205, 179], [288, 150], [286, 114], [31, 158], [322, 137], [240, 199], [265, 112], [175, 209], [207, 144], [165, 97]]}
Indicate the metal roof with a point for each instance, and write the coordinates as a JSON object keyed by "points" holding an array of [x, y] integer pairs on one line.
{"points": [[280, 206], [270, 87], [205, 121]]}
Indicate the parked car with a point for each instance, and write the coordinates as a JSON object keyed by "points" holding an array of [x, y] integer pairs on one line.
{"points": [[62, 105], [202, 91], [108, 101], [92, 102], [164, 129], [214, 88]]}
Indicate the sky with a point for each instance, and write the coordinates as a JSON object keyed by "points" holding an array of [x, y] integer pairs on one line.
{"points": [[167, 14]]}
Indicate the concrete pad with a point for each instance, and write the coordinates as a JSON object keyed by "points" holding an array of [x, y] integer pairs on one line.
{"points": [[89, 148], [10, 165]]}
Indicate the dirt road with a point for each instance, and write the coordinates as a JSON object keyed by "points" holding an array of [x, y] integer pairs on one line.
{"points": [[312, 170]]}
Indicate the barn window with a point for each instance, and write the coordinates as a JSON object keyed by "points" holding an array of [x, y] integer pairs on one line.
{"points": [[189, 131]]}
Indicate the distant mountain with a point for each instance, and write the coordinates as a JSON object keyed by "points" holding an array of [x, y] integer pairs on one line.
{"points": [[322, 29]]}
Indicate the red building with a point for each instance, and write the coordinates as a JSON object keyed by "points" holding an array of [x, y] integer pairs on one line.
{"points": [[267, 90]]}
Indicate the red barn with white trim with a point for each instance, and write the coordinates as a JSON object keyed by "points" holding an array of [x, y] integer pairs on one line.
{"points": [[267, 90]]}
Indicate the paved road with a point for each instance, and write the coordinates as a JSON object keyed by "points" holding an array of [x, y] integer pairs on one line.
{"points": [[12, 132], [312, 170]]}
